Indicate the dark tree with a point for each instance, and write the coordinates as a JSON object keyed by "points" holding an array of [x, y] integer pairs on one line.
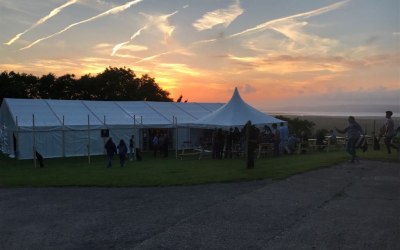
{"points": [[112, 84], [14, 84], [150, 91]]}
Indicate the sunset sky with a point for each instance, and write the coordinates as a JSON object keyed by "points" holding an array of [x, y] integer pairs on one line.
{"points": [[277, 52]]}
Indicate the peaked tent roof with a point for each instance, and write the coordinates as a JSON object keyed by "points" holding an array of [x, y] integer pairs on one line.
{"points": [[235, 113]]}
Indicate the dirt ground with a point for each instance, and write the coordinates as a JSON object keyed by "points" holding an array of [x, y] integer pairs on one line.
{"points": [[343, 207]]}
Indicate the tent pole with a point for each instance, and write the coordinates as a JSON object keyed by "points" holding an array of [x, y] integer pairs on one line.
{"points": [[175, 121], [16, 123], [34, 140], [63, 137], [134, 133], [104, 139], [88, 146], [141, 133]]}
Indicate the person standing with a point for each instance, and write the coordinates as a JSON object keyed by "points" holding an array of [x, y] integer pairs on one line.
{"points": [[354, 132], [276, 139], [228, 144], [132, 148], [284, 136], [165, 144], [122, 150], [155, 145], [389, 132], [111, 150], [250, 136]]}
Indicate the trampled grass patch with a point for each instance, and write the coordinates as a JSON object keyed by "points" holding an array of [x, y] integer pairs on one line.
{"points": [[165, 171]]}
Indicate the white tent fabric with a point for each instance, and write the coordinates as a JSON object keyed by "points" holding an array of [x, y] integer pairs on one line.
{"points": [[58, 128], [235, 113]]}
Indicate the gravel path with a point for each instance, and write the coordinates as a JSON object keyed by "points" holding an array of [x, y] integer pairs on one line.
{"points": [[342, 207]]}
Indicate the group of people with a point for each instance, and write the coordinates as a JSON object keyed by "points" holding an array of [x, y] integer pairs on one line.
{"points": [[224, 144], [121, 150], [160, 144], [285, 143], [354, 133]]}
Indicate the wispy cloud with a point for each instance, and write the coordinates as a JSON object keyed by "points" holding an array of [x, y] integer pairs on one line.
{"points": [[41, 21], [270, 24], [161, 23], [119, 46], [291, 64], [180, 68], [112, 11], [219, 16]]}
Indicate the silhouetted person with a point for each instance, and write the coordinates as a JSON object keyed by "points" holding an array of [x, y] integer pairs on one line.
{"points": [[276, 139], [165, 144], [389, 132], [156, 142], [111, 150], [122, 150], [228, 144], [250, 134], [354, 132]]}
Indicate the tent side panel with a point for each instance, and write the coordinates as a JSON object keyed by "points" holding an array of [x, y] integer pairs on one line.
{"points": [[48, 144]]}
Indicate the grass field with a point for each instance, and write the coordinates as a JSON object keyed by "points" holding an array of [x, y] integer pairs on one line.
{"points": [[163, 172]]}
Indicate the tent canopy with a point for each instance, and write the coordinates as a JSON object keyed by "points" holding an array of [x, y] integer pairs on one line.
{"points": [[234, 113], [52, 114]]}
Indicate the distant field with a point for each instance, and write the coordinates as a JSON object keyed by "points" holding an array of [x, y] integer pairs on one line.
{"points": [[163, 172], [330, 122]]}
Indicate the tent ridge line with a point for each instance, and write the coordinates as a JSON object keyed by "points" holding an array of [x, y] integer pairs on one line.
{"points": [[204, 107], [87, 107], [176, 105], [126, 112], [52, 110], [157, 111]]}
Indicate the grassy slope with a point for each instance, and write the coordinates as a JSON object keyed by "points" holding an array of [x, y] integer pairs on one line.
{"points": [[161, 172]]}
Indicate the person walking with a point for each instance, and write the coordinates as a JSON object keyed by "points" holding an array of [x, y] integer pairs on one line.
{"points": [[122, 150], [284, 136], [165, 144], [354, 132], [111, 150], [388, 132], [155, 145], [276, 139], [250, 135]]}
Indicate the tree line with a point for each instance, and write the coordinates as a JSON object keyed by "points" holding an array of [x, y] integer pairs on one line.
{"points": [[113, 84]]}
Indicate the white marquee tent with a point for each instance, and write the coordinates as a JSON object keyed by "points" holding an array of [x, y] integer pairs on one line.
{"points": [[234, 113], [58, 128]]}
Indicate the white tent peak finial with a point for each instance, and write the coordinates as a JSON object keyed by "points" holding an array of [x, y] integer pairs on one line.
{"points": [[236, 94]]}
